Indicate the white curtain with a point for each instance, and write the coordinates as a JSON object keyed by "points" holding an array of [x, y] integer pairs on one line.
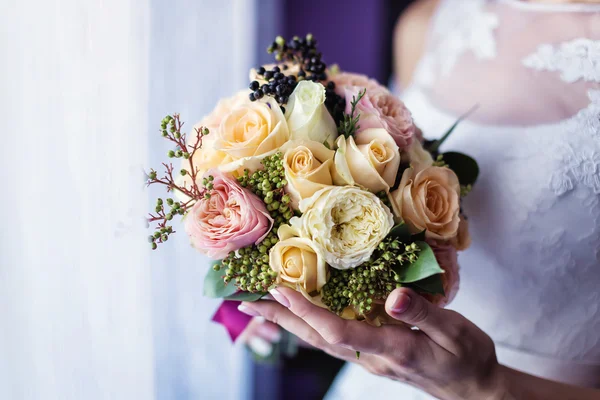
{"points": [[86, 312]]}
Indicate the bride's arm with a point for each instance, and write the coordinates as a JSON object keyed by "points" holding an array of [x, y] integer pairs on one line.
{"points": [[448, 357], [519, 385], [410, 37]]}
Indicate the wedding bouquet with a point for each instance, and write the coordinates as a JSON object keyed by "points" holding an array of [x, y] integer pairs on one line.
{"points": [[316, 179]]}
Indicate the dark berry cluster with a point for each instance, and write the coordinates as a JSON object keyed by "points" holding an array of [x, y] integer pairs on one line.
{"points": [[303, 53], [374, 280], [279, 85]]}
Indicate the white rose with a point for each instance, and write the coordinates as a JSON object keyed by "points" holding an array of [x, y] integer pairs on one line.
{"points": [[307, 116], [370, 159], [345, 222]]}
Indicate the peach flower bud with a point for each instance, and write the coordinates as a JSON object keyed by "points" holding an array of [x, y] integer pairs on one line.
{"points": [[429, 200], [446, 256], [231, 218]]}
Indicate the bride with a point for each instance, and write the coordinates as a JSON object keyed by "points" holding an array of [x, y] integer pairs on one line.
{"points": [[526, 322]]}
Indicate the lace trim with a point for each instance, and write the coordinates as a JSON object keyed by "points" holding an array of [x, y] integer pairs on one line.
{"points": [[460, 27], [575, 60]]}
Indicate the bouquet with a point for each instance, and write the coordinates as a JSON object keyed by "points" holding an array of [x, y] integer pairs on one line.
{"points": [[316, 179]]}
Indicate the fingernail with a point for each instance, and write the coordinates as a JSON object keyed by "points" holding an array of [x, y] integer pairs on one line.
{"points": [[280, 298], [260, 346], [248, 311], [401, 304]]}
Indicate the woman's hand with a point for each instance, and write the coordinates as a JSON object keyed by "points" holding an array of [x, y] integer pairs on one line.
{"points": [[448, 356], [261, 336]]}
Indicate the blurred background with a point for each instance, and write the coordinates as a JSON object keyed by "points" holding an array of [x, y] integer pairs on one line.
{"points": [[87, 312]]}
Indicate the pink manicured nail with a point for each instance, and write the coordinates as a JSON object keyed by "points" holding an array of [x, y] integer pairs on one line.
{"points": [[248, 311], [280, 298], [401, 304]]}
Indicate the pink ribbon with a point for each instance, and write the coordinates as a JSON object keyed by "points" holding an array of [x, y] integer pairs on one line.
{"points": [[231, 318]]}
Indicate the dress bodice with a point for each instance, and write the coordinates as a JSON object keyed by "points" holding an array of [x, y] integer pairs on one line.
{"points": [[531, 278]]}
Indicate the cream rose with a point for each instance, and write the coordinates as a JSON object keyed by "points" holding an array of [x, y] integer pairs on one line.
{"points": [[208, 156], [251, 132], [345, 223], [308, 168], [298, 262], [307, 116], [429, 200], [369, 159]]}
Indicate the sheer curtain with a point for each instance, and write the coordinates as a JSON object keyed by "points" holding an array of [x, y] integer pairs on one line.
{"points": [[85, 312]]}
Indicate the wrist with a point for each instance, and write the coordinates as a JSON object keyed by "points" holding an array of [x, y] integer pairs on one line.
{"points": [[493, 386]]}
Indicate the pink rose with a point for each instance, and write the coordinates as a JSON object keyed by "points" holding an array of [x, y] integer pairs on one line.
{"points": [[381, 109], [447, 258], [232, 218], [345, 80]]}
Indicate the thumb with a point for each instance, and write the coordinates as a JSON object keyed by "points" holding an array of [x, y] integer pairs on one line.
{"points": [[442, 326]]}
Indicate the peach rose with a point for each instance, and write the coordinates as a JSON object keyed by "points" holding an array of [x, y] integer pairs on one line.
{"points": [[380, 109], [369, 159], [231, 218], [447, 258], [308, 168], [298, 262], [250, 132], [343, 80], [429, 200]]}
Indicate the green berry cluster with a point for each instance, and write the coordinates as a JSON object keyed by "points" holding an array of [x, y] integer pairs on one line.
{"points": [[374, 280], [163, 231], [249, 266], [268, 184]]}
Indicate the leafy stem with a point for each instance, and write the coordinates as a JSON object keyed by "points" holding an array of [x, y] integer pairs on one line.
{"points": [[171, 127], [349, 124]]}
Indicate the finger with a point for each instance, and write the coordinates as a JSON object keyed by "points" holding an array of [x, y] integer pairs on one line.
{"points": [[268, 331], [280, 315], [354, 335], [442, 326]]}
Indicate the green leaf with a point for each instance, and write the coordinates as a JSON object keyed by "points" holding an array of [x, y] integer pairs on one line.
{"points": [[245, 296], [432, 285], [425, 266], [214, 286], [465, 167], [400, 232], [326, 144], [435, 146]]}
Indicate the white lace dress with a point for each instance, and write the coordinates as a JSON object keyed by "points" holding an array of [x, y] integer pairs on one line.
{"points": [[531, 279]]}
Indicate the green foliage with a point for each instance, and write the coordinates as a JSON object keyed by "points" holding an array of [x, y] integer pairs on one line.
{"points": [[465, 167], [214, 284], [349, 124], [424, 267]]}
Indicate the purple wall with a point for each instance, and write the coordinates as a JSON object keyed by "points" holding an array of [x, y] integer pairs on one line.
{"points": [[351, 33]]}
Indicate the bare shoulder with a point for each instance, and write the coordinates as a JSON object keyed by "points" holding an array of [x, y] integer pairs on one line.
{"points": [[410, 37]]}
